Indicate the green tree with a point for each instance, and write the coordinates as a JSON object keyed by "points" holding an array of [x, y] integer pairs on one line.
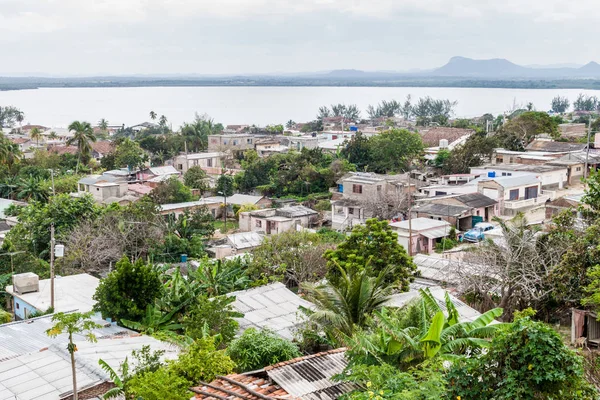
{"points": [[162, 121], [35, 134], [219, 277], [162, 384], [83, 137], [10, 153], [9, 115], [373, 246], [258, 349], [441, 158], [394, 150], [358, 151], [33, 188], [103, 125], [203, 362], [171, 191], [528, 360], [152, 115], [73, 323], [128, 290], [290, 124], [214, 316], [586, 103], [560, 104], [128, 153], [474, 152], [344, 307], [517, 133], [225, 185], [196, 178]]}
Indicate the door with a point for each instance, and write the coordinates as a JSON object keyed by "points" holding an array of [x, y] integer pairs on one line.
{"points": [[487, 214], [268, 227], [531, 192]]}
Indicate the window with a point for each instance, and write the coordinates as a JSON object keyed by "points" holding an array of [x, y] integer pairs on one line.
{"points": [[258, 223], [209, 162], [333, 137], [235, 142], [18, 306], [350, 210], [357, 189], [478, 212], [578, 169], [514, 194], [214, 141], [249, 141], [507, 174], [224, 141], [180, 166], [379, 188]]}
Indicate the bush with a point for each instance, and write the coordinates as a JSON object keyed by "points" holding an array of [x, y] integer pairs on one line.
{"points": [[214, 316], [257, 349], [202, 362], [445, 244], [527, 360], [162, 384]]}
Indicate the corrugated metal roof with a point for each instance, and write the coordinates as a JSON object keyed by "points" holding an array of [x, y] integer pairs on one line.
{"points": [[189, 204], [165, 170], [237, 198], [310, 377], [295, 211], [245, 240], [475, 200], [436, 233], [272, 306], [22, 337], [418, 224], [442, 209]]}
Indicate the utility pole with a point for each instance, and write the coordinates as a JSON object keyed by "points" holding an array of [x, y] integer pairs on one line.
{"points": [[587, 152], [225, 213], [52, 265], [410, 252], [52, 175]]}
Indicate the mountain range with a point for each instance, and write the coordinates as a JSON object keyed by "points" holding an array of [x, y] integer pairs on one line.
{"points": [[496, 68]]}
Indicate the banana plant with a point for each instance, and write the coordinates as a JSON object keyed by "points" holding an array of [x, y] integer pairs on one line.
{"points": [[119, 390]]}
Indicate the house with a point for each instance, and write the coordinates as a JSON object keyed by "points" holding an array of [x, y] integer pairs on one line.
{"points": [[179, 208], [423, 233], [26, 129], [277, 220], [572, 202], [443, 190], [585, 324], [36, 366], [551, 146], [235, 143], [333, 146], [298, 143], [503, 156], [151, 173], [364, 195], [144, 125], [575, 164], [461, 210], [24, 143], [335, 135], [571, 130], [271, 306], [444, 137], [139, 189], [266, 147], [101, 148], [32, 295], [237, 243], [308, 377], [105, 189], [513, 193], [458, 179], [551, 176], [212, 162], [238, 199]]}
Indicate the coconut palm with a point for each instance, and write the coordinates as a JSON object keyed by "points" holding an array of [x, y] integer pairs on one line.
{"points": [[35, 133], [344, 308], [20, 117], [103, 125], [152, 115], [290, 124], [83, 138], [52, 135], [33, 189], [9, 186], [9, 152], [162, 121]]}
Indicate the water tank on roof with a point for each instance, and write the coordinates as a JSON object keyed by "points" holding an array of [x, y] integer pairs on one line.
{"points": [[491, 174], [354, 129], [26, 283], [443, 143]]}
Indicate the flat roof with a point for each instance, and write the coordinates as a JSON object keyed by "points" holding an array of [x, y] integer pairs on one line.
{"points": [[237, 198], [419, 224], [189, 204], [73, 292], [197, 156]]}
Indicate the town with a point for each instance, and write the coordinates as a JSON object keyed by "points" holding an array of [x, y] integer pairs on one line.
{"points": [[393, 252]]}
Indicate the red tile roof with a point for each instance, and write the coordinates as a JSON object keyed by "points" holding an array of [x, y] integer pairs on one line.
{"points": [[103, 147], [237, 386], [20, 140], [63, 149]]}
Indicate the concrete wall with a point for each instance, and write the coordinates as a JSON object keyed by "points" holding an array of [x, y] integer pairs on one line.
{"points": [[22, 309]]}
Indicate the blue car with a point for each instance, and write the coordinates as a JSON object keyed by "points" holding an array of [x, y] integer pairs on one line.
{"points": [[477, 234]]}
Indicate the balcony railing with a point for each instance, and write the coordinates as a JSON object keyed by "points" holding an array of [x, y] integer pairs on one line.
{"points": [[516, 204]]}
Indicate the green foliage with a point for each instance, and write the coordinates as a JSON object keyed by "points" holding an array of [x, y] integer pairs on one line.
{"points": [[128, 290], [425, 382], [517, 133], [474, 152], [257, 349], [445, 244], [32, 233], [73, 323], [196, 178], [376, 246], [586, 103], [219, 277], [5, 316], [33, 189], [213, 316], [171, 191], [391, 151], [162, 384], [527, 360], [225, 185], [525, 313], [346, 306], [129, 154], [560, 104], [83, 137], [441, 158], [202, 362]]}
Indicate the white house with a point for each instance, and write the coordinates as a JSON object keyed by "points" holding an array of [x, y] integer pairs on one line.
{"points": [[210, 162], [425, 233], [551, 176], [277, 220], [513, 193]]}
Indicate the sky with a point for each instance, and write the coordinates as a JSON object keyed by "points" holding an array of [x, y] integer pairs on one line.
{"points": [[123, 37]]}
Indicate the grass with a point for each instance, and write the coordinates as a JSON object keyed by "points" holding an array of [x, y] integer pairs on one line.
{"points": [[232, 225]]}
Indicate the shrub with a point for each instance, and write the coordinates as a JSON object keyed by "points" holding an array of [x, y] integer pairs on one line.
{"points": [[162, 384], [202, 362], [257, 349]]}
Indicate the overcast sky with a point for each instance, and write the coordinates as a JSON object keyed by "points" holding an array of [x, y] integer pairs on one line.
{"points": [[83, 37]]}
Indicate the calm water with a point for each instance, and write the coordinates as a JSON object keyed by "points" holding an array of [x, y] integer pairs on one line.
{"points": [[248, 105]]}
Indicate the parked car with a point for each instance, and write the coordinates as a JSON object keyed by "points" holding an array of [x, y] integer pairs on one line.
{"points": [[477, 234]]}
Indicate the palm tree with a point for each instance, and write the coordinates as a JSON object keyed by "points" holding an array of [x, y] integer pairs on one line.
{"points": [[83, 137], [290, 124], [103, 125], [20, 117], [32, 189], [52, 135], [162, 121], [35, 134], [342, 309], [9, 186], [73, 323], [10, 152], [446, 337], [152, 115]]}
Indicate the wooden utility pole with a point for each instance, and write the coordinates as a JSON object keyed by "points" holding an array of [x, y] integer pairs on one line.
{"points": [[52, 265], [587, 151], [410, 252]]}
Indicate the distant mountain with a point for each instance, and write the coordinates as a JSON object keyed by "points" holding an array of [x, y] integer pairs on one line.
{"points": [[501, 68]]}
